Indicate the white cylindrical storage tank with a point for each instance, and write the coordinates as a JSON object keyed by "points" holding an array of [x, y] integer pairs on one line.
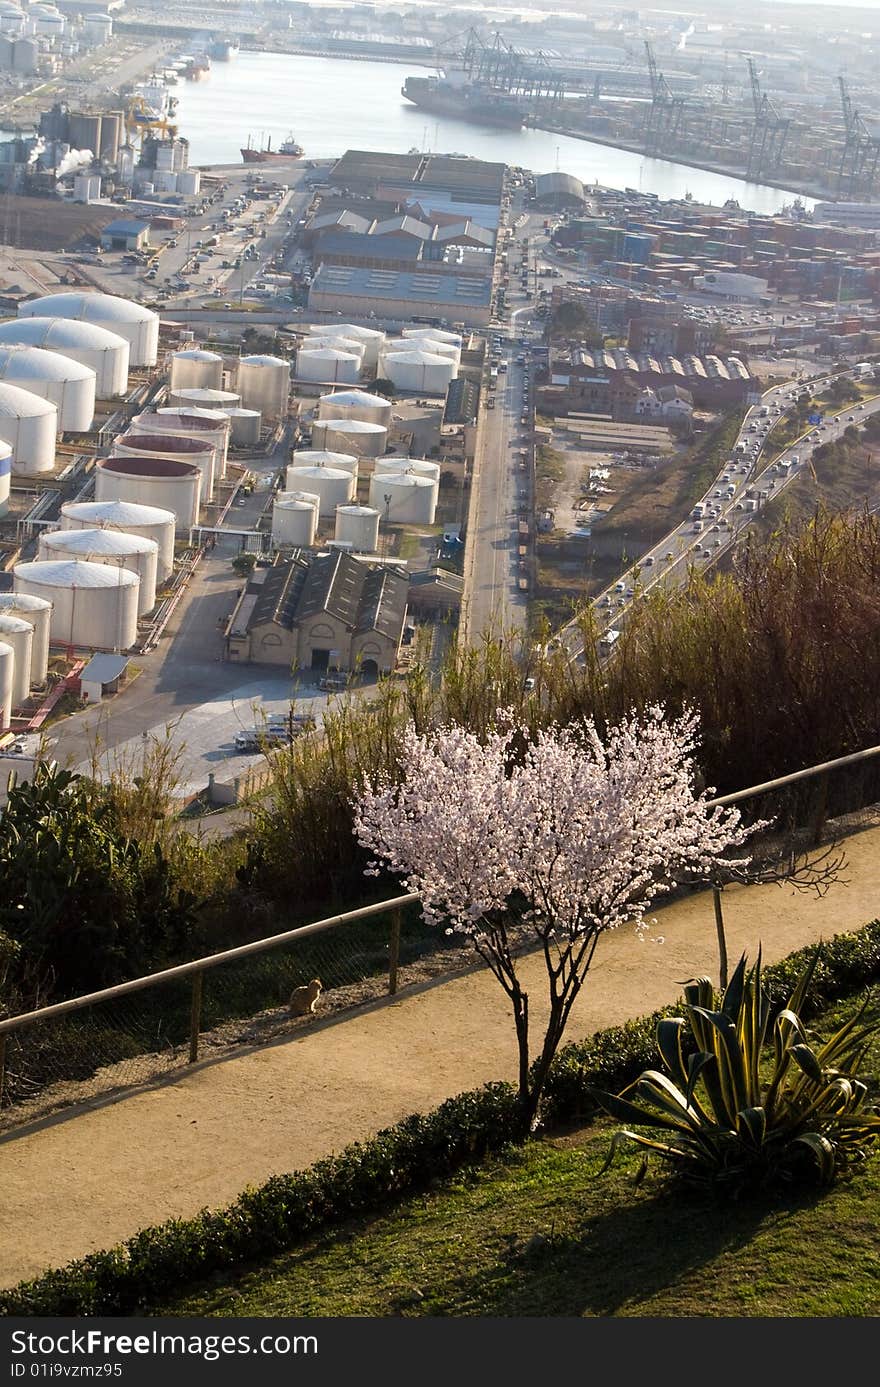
{"points": [[204, 397], [213, 425], [413, 499], [138, 325], [134, 552], [331, 485], [311, 457], [106, 353], [133, 519], [5, 476], [194, 367], [325, 364], [295, 518], [263, 382], [359, 527], [7, 677], [355, 404], [93, 605], [37, 613], [28, 423], [165, 181], [404, 348], [245, 426], [180, 447], [433, 334], [66, 383], [19, 634], [11, 22], [350, 436], [372, 338], [189, 182], [420, 372], [422, 467], [149, 481], [335, 343]]}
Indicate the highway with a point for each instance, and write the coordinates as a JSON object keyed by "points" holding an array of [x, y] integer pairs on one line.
{"points": [[728, 507]]}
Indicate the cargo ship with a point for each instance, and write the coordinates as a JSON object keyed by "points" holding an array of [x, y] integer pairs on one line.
{"points": [[223, 50], [465, 101], [288, 149]]}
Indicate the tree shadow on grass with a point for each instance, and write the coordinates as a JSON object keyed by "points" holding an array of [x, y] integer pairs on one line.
{"points": [[618, 1261]]}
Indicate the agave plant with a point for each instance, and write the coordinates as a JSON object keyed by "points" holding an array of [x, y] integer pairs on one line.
{"points": [[724, 1114]]}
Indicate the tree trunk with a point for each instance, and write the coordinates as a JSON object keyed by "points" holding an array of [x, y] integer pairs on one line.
{"points": [[521, 1021]]}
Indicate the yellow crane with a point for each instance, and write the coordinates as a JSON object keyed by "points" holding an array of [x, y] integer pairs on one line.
{"points": [[140, 118]]}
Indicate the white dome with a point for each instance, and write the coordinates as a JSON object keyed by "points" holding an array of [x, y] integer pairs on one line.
{"points": [[18, 361], [361, 399], [67, 384], [367, 334], [58, 333], [100, 541], [352, 426], [89, 307], [138, 325], [197, 354], [118, 513], [264, 361], [73, 573], [312, 457], [104, 352], [417, 358], [203, 395], [16, 403], [153, 522], [432, 334]]}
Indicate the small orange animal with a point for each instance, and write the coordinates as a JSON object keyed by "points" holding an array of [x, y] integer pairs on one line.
{"points": [[305, 999]]}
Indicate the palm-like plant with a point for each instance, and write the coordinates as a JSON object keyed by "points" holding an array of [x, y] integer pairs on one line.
{"points": [[723, 1115]]}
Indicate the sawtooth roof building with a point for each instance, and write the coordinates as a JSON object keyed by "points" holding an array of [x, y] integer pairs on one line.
{"points": [[321, 612]]}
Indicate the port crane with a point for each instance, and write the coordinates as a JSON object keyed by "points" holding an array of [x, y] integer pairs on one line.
{"points": [[861, 149], [663, 119], [769, 132], [141, 119]]}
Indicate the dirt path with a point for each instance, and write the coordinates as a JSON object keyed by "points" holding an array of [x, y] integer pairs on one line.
{"points": [[90, 1177]]}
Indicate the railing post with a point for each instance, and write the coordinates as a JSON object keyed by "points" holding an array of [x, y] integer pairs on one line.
{"points": [[195, 1016], [722, 941], [394, 952], [821, 811], [2, 1066]]}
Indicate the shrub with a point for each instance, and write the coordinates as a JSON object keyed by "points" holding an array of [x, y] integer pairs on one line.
{"points": [[157, 1262], [717, 1120]]}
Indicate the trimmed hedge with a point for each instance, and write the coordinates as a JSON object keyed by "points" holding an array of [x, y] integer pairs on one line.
{"points": [[157, 1262]]}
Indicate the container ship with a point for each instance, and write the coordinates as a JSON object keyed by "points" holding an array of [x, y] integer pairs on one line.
{"points": [[288, 149], [480, 104]]}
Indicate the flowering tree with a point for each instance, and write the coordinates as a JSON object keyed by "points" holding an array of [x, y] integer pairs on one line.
{"points": [[546, 842]]}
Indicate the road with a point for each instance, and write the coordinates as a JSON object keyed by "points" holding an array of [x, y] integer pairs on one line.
{"points": [[501, 489], [726, 510]]}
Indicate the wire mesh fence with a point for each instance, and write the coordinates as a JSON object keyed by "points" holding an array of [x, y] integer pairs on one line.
{"points": [[139, 1031]]}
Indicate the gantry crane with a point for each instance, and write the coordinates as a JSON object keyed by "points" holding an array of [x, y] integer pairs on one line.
{"points": [[861, 150], [664, 115], [769, 131]]}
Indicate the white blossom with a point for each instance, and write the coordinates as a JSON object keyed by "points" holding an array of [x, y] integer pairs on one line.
{"points": [[558, 832]]}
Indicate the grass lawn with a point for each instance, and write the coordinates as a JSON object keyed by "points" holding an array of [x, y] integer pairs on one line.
{"points": [[541, 1232]]}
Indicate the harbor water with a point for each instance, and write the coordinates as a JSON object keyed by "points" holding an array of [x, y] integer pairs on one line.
{"points": [[334, 104]]}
